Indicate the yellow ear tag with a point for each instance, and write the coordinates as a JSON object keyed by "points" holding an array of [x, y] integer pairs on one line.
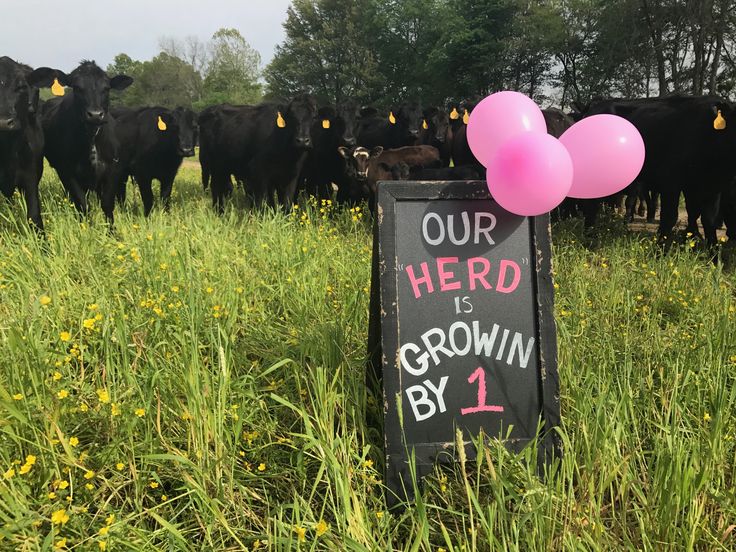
{"points": [[325, 124], [466, 117], [57, 89], [454, 115], [425, 126], [391, 118], [720, 122], [280, 122], [161, 125]]}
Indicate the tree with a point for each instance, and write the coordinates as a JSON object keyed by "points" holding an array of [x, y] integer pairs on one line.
{"points": [[326, 52], [232, 71]]}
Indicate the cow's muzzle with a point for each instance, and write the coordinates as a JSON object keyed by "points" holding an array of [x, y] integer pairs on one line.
{"points": [[9, 123], [95, 116], [304, 142], [186, 152]]}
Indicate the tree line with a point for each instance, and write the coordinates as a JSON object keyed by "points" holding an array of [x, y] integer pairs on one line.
{"points": [[560, 52]]}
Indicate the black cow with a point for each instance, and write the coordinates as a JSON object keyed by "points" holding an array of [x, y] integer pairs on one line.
{"points": [[689, 148], [80, 135], [436, 132], [461, 153], [401, 127], [264, 145], [153, 142], [21, 134], [334, 127]]}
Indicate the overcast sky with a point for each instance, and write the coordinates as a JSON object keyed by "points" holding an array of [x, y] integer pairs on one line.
{"points": [[61, 33]]}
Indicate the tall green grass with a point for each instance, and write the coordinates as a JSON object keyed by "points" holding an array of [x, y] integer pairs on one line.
{"points": [[195, 382]]}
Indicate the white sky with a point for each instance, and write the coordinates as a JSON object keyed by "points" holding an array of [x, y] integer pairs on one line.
{"points": [[61, 33]]}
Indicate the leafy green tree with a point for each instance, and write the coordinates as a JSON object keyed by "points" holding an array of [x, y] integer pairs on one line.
{"points": [[326, 52], [232, 70]]}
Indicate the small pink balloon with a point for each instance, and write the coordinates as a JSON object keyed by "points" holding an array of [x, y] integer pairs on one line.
{"points": [[607, 154], [499, 117], [530, 174]]}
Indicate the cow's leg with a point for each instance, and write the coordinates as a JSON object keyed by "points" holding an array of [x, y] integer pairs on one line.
{"points": [[590, 211], [167, 185], [693, 206], [668, 214], [144, 185], [108, 192], [75, 191], [632, 196], [710, 206], [651, 198], [287, 193], [28, 185], [122, 189]]}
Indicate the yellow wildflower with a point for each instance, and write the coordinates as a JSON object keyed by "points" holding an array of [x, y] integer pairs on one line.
{"points": [[83, 407], [164, 498], [706, 417], [140, 412], [88, 323], [52, 495], [103, 395], [261, 467], [56, 376], [9, 473], [59, 517], [115, 409], [109, 520], [63, 394], [102, 545], [104, 531], [321, 528], [89, 486], [89, 474], [61, 543], [65, 336], [73, 441], [17, 397], [301, 533], [62, 484], [119, 465], [153, 485], [44, 300]]}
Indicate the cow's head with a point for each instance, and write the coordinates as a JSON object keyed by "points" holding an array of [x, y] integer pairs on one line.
{"points": [[185, 127], [19, 86], [348, 114], [298, 116], [407, 118], [91, 87], [357, 160], [437, 121]]}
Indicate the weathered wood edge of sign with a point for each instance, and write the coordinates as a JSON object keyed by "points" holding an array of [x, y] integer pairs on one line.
{"points": [[384, 314]]}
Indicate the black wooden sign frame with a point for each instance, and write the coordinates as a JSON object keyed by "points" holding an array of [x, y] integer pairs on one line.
{"points": [[384, 332]]}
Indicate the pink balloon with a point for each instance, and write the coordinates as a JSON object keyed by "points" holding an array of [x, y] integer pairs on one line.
{"points": [[607, 154], [499, 117], [531, 174]]}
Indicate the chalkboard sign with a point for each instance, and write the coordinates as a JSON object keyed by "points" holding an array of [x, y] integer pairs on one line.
{"points": [[462, 330]]}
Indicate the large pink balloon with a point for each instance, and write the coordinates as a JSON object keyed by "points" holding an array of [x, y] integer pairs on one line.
{"points": [[607, 154], [530, 174], [499, 117]]}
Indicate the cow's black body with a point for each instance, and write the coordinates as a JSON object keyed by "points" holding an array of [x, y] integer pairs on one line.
{"points": [[21, 134], [437, 133], [324, 164], [80, 136], [146, 152], [376, 129], [684, 153], [247, 143]]}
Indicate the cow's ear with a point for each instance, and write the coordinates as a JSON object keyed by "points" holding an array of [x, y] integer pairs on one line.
{"points": [[345, 152], [43, 77], [375, 152], [120, 82]]}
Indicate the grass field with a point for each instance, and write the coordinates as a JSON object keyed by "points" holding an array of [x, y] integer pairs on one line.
{"points": [[196, 382]]}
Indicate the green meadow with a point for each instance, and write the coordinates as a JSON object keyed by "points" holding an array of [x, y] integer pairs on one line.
{"points": [[196, 382]]}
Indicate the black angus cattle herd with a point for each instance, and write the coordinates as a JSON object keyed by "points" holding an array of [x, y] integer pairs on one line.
{"points": [[277, 150]]}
